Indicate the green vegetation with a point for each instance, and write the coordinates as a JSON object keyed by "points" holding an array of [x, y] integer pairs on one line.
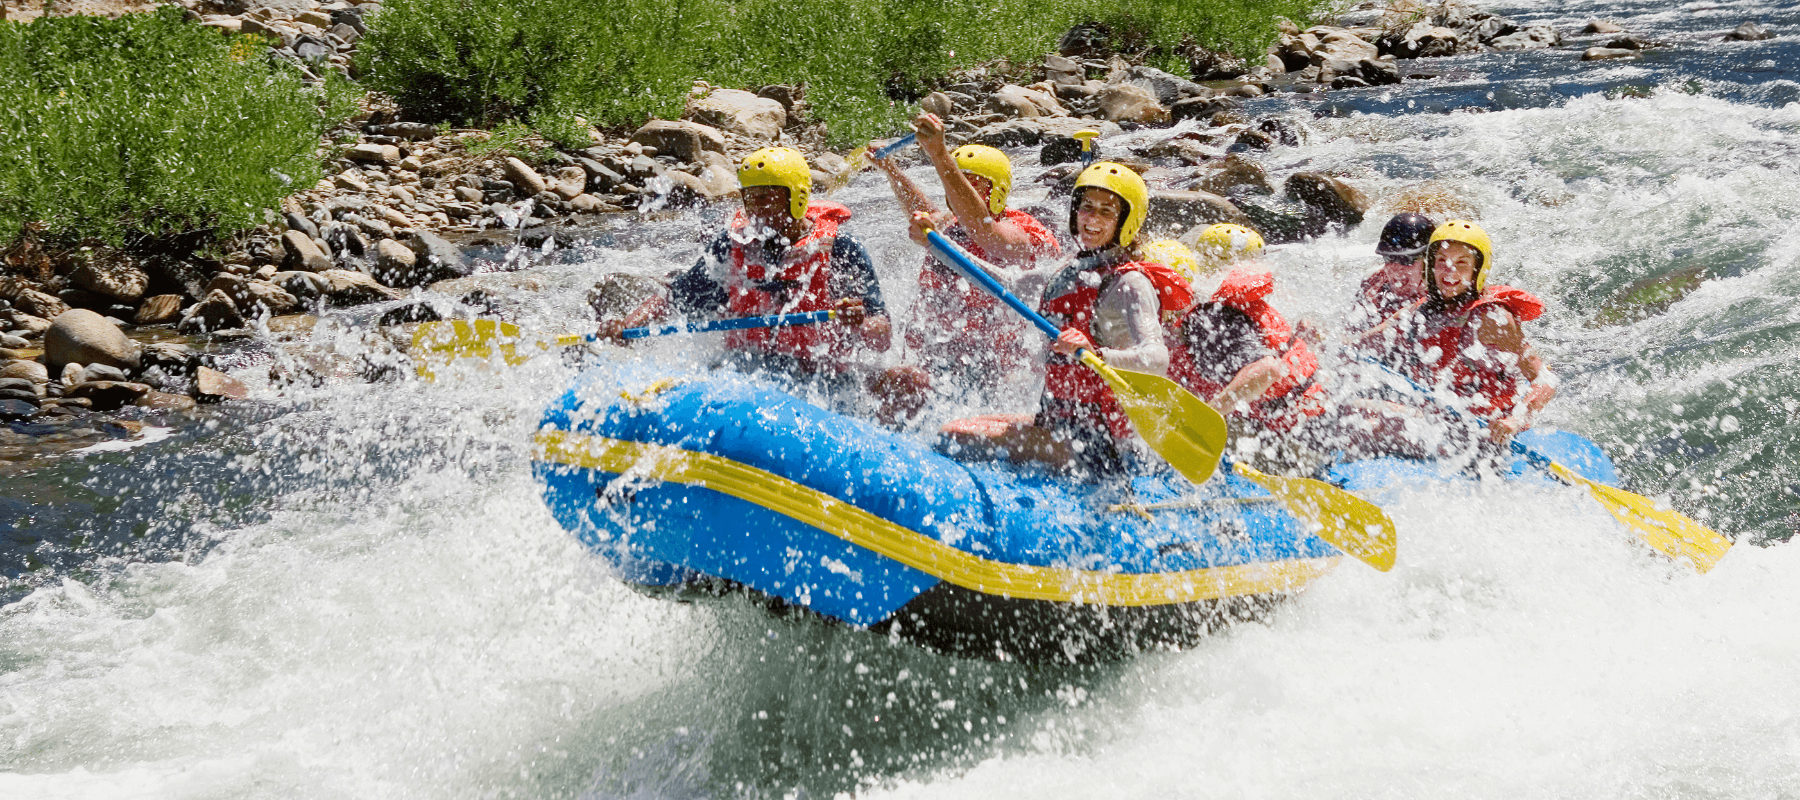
{"points": [[149, 124], [620, 62]]}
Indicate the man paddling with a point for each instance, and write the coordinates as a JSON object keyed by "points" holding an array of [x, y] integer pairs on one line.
{"points": [[1466, 338], [1110, 300], [958, 329], [1400, 280], [784, 253]]}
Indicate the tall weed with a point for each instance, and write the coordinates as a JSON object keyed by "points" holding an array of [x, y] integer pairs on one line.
{"points": [[149, 124], [623, 61]]}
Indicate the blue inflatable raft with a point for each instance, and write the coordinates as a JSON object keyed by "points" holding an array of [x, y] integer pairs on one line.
{"points": [[723, 485]]}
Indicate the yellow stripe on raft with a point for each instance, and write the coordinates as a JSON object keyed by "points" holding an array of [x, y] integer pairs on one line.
{"points": [[916, 550]]}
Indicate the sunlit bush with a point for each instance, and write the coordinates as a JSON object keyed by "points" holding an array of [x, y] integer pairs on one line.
{"points": [[148, 124], [623, 61]]}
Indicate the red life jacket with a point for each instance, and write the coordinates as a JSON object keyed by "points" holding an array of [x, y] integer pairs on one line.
{"points": [[1381, 295], [798, 282], [1442, 352], [970, 316], [1283, 404], [1072, 390]]}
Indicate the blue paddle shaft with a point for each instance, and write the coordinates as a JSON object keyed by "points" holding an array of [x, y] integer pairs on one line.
{"points": [[742, 323], [949, 253], [898, 145]]}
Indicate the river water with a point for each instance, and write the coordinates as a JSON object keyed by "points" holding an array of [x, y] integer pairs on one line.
{"points": [[352, 590]]}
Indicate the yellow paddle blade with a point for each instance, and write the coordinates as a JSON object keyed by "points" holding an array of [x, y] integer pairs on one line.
{"points": [[1350, 523], [438, 343], [1666, 530], [1186, 432]]}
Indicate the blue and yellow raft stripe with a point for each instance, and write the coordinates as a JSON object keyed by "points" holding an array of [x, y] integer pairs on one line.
{"points": [[916, 550]]}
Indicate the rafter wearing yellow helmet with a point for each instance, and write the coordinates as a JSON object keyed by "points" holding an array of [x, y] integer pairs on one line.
{"points": [[958, 329]]}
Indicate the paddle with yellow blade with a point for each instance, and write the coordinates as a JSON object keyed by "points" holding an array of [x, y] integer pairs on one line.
{"points": [[1664, 529], [1187, 433], [1191, 435], [438, 343]]}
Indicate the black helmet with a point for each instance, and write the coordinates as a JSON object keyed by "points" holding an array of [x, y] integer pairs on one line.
{"points": [[1405, 236]]}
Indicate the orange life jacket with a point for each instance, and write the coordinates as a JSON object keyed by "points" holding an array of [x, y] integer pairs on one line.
{"points": [[1246, 292], [798, 282], [965, 316], [1444, 352], [1073, 392]]}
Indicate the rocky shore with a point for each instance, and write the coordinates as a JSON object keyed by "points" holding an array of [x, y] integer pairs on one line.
{"points": [[93, 340]]}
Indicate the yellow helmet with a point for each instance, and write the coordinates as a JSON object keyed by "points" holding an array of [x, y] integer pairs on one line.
{"points": [[991, 164], [1122, 181], [1461, 230], [1227, 242], [779, 166], [1176, 255]]}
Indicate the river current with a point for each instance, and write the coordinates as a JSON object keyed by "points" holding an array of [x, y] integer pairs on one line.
{"points": [[353, 590]]}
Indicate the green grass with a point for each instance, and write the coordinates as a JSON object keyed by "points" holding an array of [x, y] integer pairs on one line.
{"points": [[150, 125], [618, 63]]}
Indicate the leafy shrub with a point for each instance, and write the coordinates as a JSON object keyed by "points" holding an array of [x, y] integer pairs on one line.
{"points": [[623, 61], [150, 124]]}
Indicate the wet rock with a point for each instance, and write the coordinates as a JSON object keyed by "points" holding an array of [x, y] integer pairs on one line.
{"points": [[528, 181], [212, 386], [1602, 26], [589, 204], [1236, 174], [304, 286], [26, 324], [113, 275], [1130, 103], [411, 312], [108, 395], [296, 222], [1422, 40], [1014, 102], [394, 264], [1536, 37], [1607, 54], [1331, 200], [1252, 140], [215, 312], [303, 252], [164, 401], [28, 370], [441, 259], [683, 139], [1175, 210], [17, 409], [1340, 44], [938, 103], [101, 372], [1626, 43], [82, 336], [1166, 87], [1749, 32], [1032, 132], [568, 182], [741, 112], [32, 302], [255, 297], [354, 288], [1200, 107]]}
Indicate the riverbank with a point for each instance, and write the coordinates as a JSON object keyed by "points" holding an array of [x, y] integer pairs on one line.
{"points": [[401, 199]]}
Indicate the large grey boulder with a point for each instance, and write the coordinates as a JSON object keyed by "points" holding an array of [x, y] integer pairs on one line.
{"points": [[81, 336], [683, 139], [1172, 211], [1130, 103], [742, 113]]}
